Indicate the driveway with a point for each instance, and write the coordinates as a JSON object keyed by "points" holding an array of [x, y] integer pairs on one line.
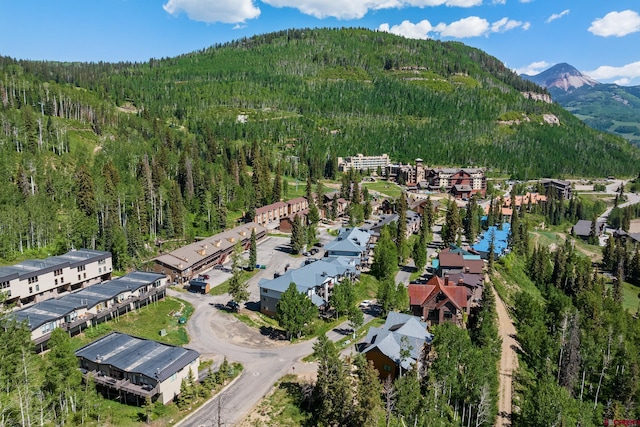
{"points": [[217, 334]]}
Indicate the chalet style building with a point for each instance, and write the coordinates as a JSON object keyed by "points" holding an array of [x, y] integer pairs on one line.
{"points": [[383, 345], [187, 262], [76, 311], [462, 183], [439, 301], [40, 279], [134, 369]]}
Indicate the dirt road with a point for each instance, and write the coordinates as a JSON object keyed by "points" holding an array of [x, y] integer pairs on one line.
{"points": [[508, 362]]}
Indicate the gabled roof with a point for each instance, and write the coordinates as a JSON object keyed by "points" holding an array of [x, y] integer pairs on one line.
{"points": [[456, 294], [349, 240], [388, 339], [270, 207], [137, 355], [306, 277], [185, 257], [583, 227]]}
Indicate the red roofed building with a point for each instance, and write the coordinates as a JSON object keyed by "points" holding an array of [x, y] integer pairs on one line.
{"points": [[438, 301]]}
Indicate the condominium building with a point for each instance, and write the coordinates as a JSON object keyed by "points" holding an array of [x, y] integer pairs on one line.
{"points": [[360, 162], [39, 279]]}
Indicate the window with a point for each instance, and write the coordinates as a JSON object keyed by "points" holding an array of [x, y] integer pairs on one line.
{"points": [[37, 288], [56, 282], [102, 262], [33, 279], [4, 285], [30, 289], [57, 272], [448, 315], [62, 280], [387, 368], [84, 275], [81, 268], [79, 277]]}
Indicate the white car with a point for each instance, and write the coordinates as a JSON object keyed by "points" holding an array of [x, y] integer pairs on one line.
{"points": [[365, 304]]}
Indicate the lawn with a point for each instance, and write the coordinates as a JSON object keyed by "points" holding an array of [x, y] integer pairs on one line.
{"points": [[630, 297], [223, 288], [389, 188], [145, 323], [366, 287]]}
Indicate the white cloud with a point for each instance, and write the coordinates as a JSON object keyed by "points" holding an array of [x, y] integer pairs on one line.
{"points": [[408, 29], [533, 68], [356, 9], [623, 81], [505, 24], [472, 26], [499, 2], [226, 11], [557, 16], [616, 24], [623, 74]]}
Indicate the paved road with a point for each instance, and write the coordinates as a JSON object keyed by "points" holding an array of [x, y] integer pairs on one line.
{"points": [[217, 334]]}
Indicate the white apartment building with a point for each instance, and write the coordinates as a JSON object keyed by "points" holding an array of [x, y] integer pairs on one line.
{"points": [[360, 162], [39, 279]]}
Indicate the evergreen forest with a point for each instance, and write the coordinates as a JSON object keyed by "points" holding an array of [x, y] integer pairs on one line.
{"points": [[128, 156]]}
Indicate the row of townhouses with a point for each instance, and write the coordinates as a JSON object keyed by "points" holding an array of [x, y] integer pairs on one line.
{"points": [[79, 310], [40, 279]]}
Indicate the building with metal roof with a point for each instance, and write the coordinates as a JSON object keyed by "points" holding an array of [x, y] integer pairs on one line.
{"points": [[87, 307], [315, 279], [135, 368], [39, 279], [188, 261], [400, 331]]}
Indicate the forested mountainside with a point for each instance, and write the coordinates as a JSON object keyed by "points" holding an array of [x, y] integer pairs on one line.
{"points": [[113, 155]]}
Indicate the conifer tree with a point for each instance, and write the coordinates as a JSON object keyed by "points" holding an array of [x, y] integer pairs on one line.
{"points": [[253, 251], [401, 234]]}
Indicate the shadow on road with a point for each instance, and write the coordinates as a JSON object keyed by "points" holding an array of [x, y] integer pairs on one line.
{"points": [[273, 333], [283, 248], [252, 305]]}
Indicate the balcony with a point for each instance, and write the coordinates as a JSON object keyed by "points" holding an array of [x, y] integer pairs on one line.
{"points": [[122, 385]]}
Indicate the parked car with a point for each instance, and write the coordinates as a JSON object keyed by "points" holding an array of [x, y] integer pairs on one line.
{"points": [[318, 244], [306, 253], [365, 304], [205, 276], [233, 306], [314, 251]]}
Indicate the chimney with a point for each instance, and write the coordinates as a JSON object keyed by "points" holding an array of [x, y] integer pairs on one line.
{"points": [[446, 280]]}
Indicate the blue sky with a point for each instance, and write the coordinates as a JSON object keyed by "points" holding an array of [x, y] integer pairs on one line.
{"points": [[598, 37]]}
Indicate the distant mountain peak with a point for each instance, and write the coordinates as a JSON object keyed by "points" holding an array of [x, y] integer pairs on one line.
{"points": [[561, 76]]}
